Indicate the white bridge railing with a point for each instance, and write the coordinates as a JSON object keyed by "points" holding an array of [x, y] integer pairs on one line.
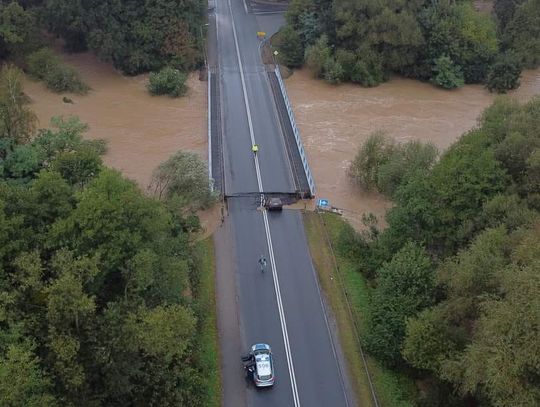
{"points": [[296, 132]]}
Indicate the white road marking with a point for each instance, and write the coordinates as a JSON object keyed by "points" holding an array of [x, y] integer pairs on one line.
{"points": [[266, 225]]}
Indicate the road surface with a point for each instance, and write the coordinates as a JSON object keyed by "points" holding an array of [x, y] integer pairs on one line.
{"points": [[282, 306]]}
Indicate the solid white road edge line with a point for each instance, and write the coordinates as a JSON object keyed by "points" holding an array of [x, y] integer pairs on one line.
{"points": [[266, 225]]}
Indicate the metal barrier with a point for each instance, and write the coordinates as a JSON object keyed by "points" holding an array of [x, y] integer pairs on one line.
{"points": [[209, 113], [296, 132]]}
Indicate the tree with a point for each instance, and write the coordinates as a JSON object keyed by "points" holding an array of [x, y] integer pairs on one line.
{"points": [[504, 74], [291, 51], [333, 71], [183, 177], [23, 383], [447, 75], [18, 30], [375, 152], [522, 33], [17, 122], [317, 55], [405, 286], [168, 81]]}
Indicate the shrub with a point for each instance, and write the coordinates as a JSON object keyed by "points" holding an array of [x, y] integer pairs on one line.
{"points": [[333, 72], [347, 60], [317, 55], [41, 62], [168, 81], [45, 65], [376, 151], [405, 160], [64, 78], [183, 179], [447, 75], [504, 74]]}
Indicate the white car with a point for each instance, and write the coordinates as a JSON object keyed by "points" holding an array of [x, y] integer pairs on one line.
{"points": [[260, 364]]}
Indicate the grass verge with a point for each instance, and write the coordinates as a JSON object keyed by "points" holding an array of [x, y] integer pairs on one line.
{"points": [[338, 285], [206, 302]]}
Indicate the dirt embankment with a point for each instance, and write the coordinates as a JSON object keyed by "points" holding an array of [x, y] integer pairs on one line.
{"points": [[335, 120]]}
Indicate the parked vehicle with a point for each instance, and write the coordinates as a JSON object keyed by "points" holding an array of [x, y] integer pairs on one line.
{"points": [[259, 365], [273, 204]]}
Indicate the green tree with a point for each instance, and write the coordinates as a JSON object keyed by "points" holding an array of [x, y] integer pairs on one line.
{"points": [[183, 177], [168, 81], [447, 75], [17, 121], [291, 51], [317, 55], [18, 30], [504, 74], [375, 152], [23, 383], [522, 33], [405, 286]]}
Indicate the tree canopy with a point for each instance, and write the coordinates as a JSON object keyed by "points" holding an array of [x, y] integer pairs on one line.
{"points": [[456, 272], [444, 41], [97, 298]]}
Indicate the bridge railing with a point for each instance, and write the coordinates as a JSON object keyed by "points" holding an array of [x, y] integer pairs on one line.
{"points": [[296, 132]]}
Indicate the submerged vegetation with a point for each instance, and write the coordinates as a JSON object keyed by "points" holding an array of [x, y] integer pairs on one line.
{"points": [[456, 274], [446, 42]]}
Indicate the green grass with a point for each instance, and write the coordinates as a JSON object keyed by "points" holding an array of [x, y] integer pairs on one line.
{"points": [[392, 388], [206, 299]]}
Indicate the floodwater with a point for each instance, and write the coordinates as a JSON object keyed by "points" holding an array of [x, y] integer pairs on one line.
{"points": [[334, 121], [141, 130]]}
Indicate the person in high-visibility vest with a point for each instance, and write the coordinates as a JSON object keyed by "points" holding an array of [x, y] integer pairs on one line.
{"points": [[255, 148]]}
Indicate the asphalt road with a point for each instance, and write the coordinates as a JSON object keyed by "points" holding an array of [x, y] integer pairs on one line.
{"points": [[281, 307]]}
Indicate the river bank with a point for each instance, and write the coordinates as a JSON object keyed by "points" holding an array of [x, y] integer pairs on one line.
{"points": [[335, 120]]}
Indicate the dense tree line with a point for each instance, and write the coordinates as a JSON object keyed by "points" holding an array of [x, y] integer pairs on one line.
{"points": [[136, 36], [456, 273], [98, 282], [444, 41]]}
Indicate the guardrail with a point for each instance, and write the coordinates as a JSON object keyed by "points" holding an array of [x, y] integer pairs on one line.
{"points": [[209, 114], [296, 132]]}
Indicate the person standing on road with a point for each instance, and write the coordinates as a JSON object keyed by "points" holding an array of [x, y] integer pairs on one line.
{"points": [[254, 148], [262, 263]]}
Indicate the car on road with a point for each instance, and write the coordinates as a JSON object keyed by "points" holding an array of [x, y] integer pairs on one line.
{"points": [[259, 363], [274, 204]]}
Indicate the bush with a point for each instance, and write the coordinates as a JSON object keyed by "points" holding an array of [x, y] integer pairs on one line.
{"points": [[447, 75], [405, 160], [183, 179], [41, 62], [317, 55], [291, 52], [376, 151], [168, 81], [64, 78], [347, 60], [45, 65], [504, 74], [333, 71]]}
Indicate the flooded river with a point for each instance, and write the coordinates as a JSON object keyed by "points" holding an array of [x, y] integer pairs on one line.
{"points": [[335, 120], [141, 130]]}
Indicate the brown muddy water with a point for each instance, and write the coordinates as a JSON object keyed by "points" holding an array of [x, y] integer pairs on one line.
{"points": [[141, 130], [335, 120]]}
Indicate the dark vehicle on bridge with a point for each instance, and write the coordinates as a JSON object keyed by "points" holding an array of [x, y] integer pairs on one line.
{"points": [[273, 204], [259, 365]]}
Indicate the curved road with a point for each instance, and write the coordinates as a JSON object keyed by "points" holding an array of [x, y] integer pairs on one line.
{"points": [[282, 306]]}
